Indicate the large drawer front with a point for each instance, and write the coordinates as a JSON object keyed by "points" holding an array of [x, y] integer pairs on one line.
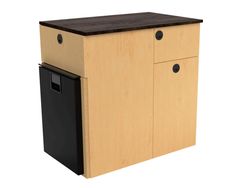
{"points": [[176, 42], [63, 50], [175, 103]]}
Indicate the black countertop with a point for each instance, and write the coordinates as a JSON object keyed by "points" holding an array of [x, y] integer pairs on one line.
{"points": [[117, 23]]}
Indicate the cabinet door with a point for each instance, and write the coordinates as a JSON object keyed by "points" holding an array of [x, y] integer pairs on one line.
{"points": [[175, 101]]}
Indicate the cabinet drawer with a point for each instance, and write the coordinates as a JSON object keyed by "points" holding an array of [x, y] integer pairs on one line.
{"points": [[176, 42], [62, 49], [175, 99]]}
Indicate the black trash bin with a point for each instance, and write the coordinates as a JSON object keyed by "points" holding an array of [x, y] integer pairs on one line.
{"points": [[61, 116]]}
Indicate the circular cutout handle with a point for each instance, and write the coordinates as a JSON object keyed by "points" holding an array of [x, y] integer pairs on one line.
{"points": [[59, 39], [159, 35], [176, 68]]}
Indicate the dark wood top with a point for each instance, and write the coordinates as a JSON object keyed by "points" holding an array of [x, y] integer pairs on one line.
{"points": [[117, 23]]}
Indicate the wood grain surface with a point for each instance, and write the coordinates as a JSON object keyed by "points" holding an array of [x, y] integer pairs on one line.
{"points": [[118, 23], [178, 42], [175, 103], [120, 99]]}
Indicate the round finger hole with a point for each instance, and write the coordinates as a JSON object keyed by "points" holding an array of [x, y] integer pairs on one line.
{"points": [[176, 68], [59, 39], [159, 35]]}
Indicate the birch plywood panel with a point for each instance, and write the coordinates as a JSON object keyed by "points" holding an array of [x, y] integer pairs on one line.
{"points": [[120, 95], [178, 42], [175, 99]]}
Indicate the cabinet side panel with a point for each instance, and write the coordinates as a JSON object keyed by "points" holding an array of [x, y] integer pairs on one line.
{"points": [[175, 103], [120, 95], [85, 126], [68, 55]]}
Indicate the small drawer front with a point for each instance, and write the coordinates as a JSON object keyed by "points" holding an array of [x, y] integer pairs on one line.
{"points": [[62, 49], [176, 42]]}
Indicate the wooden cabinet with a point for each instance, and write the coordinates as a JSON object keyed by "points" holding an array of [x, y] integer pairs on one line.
{"points": [[175, 102], [138, 85]]}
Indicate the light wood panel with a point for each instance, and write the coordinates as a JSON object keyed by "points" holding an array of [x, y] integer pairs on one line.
{"points": [[178, 42], [68, 56], [175, 100], [85, 126], [120, 94]]}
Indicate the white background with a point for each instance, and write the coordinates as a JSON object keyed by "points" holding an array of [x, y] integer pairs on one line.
{"points": [[211, 163]]}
